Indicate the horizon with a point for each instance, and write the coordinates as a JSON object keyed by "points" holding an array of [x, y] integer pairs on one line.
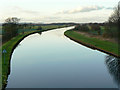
{"points": [[54, 11]]}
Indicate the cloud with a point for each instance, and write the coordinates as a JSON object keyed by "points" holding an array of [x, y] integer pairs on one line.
{"points": [[83, 9], [28, 15]]}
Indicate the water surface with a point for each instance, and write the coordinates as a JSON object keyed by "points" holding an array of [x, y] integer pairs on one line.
{"points": [[51, 60]]}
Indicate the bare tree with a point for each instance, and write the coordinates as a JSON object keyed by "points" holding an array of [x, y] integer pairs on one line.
{"points": [[115, 17], [14, 20], [114, 21]]}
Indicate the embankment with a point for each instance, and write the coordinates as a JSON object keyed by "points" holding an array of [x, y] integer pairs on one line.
{"points": [[94, 43]]}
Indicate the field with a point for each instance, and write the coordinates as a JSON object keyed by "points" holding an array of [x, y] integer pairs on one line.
{"points": [[27, 29]]}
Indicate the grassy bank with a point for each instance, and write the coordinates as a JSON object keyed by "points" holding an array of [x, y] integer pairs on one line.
{"points": [[9, 47], [102, 45]]}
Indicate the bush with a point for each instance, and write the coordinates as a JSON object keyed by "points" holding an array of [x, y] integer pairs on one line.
{"points": [[96, 28], [83, 28], [9, 30], [111, 32]]}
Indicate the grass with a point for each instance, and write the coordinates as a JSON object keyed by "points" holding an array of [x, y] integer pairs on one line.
{"points": [[104, 45], [9, 47], [52, 26], [26, 30], [46, 27]]}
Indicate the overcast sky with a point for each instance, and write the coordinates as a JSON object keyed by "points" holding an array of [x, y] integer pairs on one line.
{"points": [[51, 11]]}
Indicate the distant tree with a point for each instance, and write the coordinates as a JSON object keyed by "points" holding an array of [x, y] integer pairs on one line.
{"points": [[77, 27], [83, 28], [10, 28], [25, 25], [96, 28], [13, 20]]}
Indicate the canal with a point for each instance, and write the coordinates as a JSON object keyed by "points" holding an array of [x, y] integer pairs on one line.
{"points": [[51, 60]]}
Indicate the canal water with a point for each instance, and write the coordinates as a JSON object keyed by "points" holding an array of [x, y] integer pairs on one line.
{"points": [[51, 60]]}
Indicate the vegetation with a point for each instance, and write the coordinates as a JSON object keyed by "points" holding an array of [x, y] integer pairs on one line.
{"points": [[82, 28], [46, 27], [20, 31], [108, 30], [93, 28], [13, 32], [8, 46], [10, 28], [105, 45], [113, 25], [0, 30], [96, 28], [115, 17]]}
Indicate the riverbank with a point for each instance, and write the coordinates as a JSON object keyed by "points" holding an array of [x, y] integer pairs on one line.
{"points": [[108, 47], [9, 47]]}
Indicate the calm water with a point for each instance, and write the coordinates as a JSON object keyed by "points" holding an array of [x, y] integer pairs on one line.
{"points": [[51, 60]]}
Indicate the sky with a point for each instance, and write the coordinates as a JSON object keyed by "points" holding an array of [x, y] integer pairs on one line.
{"points": [[57, 11]]}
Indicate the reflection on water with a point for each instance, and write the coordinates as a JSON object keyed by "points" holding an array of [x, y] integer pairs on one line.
{"points": [[113, 65]]}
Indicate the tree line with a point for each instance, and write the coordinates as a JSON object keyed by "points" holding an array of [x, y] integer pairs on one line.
{"points": [[9, 28], [109, 29], [12, 27]]}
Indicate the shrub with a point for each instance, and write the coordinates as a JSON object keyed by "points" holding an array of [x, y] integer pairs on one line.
{"points": [[83, 28]]}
